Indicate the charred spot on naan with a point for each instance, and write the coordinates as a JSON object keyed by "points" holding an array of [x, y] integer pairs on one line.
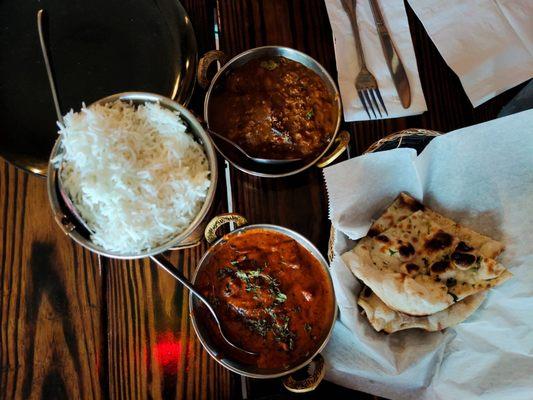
{"points": [[463, 247], [382, 238], [463, 260], [410, 268], [407, 250], [373, 232], [439, 267], [439, 241]]}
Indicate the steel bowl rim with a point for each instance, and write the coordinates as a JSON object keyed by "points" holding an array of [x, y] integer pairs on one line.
{"points": [[309, 246], [194, 125], [319, 66]]}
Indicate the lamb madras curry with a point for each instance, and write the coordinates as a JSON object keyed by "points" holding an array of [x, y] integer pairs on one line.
{"points": [[272, 296], [274, 108]]}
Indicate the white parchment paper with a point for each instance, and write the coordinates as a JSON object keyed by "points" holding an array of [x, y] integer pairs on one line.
{"points": [[482, 177], [487, 43]]}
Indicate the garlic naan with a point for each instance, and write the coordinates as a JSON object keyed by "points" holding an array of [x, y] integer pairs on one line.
{"points": [[419, 267]]}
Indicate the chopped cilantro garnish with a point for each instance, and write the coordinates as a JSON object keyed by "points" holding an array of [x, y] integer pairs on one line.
{"points": [[281, 297], [241, 275]]}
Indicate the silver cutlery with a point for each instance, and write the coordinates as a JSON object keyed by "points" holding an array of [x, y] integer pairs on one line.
{"points": [[397, 71], [365, 83]]}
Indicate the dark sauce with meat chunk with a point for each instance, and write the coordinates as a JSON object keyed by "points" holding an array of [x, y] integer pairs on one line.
{"points": [[274, 108], [272, 296]]}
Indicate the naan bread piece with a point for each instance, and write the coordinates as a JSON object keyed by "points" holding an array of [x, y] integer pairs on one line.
{"points": [[418, 268], [404, 206], [382, 317], [385, 318]]}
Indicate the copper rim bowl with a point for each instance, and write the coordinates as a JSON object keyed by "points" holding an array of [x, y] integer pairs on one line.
{"points": [[190, 236], [339, 140], [206, 337]]}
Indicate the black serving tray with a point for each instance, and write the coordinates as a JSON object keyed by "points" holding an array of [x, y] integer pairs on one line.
{"points": [[96, 48]]}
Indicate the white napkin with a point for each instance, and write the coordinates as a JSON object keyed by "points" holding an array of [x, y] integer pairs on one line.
{"points": [[487, 43], [481, 176], [348, 66]]}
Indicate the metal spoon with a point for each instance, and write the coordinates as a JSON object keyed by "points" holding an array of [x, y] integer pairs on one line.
{"points": [[158, 259], [62, 192], [272, 161]]}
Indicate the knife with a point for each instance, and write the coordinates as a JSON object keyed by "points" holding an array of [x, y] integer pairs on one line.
{"points": [[399, 77]]}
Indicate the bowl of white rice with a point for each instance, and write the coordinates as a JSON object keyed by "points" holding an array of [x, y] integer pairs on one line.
{"points": [[139, 169]]}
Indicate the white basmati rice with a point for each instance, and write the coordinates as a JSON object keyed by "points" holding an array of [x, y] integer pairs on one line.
{"points": [[134, 173]]}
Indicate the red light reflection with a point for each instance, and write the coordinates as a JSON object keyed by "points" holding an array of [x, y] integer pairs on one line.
{"points": [[168, 351]]}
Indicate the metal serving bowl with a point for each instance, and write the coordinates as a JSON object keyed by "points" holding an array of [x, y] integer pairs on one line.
{"points": [[190, 236], [236, 158], [207, 336]]}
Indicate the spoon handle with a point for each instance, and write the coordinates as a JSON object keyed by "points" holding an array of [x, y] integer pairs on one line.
{"points": [[40, 14], [172, 270], [229, 141]]}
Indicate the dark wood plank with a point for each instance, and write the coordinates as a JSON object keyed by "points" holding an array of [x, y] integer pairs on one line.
{"points": [[50, 300], [153, 350]]}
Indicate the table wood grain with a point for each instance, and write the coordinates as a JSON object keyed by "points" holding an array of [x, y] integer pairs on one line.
{"points": [[74, 326]]}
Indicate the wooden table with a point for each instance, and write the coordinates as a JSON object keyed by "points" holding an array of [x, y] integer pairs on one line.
{"points": [[74, 326]]}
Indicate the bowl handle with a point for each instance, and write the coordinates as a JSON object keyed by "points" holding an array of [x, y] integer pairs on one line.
{"points": [[213, 225], [205, 62], [311, 381], [342, 140]]}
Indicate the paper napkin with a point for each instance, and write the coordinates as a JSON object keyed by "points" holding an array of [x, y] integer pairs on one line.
{"points": [[348, 66], [487, 43]]}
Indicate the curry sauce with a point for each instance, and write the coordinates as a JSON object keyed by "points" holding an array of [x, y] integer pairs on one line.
{"points": [[274, 108], [272, 296]]}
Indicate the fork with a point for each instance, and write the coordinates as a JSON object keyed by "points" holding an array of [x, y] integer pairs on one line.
{"points": [[365, 83]]}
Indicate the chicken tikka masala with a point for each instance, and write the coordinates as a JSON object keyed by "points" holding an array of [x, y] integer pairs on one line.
{"points": [[271, 295]]}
